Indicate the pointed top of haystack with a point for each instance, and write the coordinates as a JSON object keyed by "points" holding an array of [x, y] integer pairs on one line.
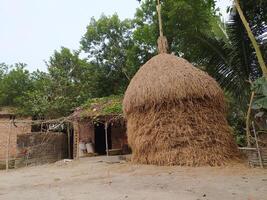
{"points": [[168, 79]]}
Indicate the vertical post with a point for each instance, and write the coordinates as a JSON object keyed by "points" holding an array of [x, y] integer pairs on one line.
{"points": [[159, 17], [77, 140], [162, 40], [76, 132], [248, 118], [106, 137], [68, 132], [8, 145], [41, 127]]}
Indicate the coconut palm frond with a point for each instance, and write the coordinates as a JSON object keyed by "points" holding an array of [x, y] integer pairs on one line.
{"points": [[231, 62]]}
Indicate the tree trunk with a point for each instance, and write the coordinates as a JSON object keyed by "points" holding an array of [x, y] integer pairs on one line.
{"points": [[252, 39]]}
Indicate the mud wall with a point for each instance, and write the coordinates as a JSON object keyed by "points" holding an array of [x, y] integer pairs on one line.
{"points": [[14, 130], [40, 148]]}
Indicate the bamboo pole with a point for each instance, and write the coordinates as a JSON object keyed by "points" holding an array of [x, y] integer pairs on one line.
{"points": [[8, 145], [106, 138], [159, 18], [248, 135], [68, 132], [252, 39], [77, 141], [162, 40]]}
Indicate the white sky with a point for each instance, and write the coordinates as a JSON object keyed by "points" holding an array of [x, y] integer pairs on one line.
{"points": [[32, 29]]}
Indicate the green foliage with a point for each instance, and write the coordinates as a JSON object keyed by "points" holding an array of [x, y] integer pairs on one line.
{"points": [[3, 70], [14, 83], [236, 119], [36, 102], [68, 81], [95, 107], [110, 48], [260, 88], [58, 92], [182, 21], [228, 54]]}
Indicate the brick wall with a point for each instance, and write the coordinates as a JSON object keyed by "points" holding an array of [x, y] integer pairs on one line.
{"points": [[41, 148], [118, 136], [87, 131], [19, 129]]}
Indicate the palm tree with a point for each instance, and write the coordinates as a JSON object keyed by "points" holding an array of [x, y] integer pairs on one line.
{"points": [[229, 54]]}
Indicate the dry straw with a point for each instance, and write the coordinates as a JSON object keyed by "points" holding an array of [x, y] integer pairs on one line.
{"points": [[176, 115]]}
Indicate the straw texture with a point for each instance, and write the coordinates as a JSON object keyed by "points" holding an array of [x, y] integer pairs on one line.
{"points": [[176, 115]]}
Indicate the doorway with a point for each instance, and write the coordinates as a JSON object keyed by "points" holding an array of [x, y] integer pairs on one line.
{"points": [[100, 138]]}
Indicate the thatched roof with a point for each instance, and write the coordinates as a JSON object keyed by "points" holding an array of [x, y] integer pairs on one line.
{"points": [[99, 107], [166, 79]]}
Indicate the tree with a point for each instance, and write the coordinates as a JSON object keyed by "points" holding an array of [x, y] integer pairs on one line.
{"points": [[182, 21], [37, 101], [231, 58], [69, 81], [111, 50], [252, 39], [65, 87], [14, 84], [3, 70]]}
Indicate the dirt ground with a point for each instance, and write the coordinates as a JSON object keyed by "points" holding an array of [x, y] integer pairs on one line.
{"points": [[95, 179]]}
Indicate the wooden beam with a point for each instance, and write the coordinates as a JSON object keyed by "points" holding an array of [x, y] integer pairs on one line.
{"points": [[106, 137], [8, 145], [68, 132], [248, 135]]}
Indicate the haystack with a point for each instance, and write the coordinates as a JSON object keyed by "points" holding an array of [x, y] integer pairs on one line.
{"points": [[176, 115]]}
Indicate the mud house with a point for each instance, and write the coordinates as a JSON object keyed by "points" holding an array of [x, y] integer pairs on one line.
{"points": [[9, 132], [20, 146], [99, 125]]}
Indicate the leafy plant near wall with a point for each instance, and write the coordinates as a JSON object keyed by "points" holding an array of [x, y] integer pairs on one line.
{"points": [[235, 117], [260, 88]]}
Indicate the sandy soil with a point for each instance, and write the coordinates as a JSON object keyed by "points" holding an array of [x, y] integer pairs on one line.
{"points": [[93, 179]]}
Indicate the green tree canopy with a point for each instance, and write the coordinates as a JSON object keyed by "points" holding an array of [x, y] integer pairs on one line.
{"points": [[14, 84], [110, 47]]}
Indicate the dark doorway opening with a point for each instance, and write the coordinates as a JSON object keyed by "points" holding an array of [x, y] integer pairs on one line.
{"points": [[100, 139]]}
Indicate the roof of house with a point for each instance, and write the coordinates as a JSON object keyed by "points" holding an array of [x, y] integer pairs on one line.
{"points": [[100, 107], [4, 111]]}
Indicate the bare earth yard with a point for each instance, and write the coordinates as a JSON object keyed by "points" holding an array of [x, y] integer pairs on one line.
{"points": [[92, 179]]}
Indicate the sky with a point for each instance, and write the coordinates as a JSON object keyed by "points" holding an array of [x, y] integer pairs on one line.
{"points": [[31, 30]]}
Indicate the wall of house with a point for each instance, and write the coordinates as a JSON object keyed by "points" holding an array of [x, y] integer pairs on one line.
{"points": [[86, 130], [5, 130], [118, 136], [83, 132], [41, 148]]}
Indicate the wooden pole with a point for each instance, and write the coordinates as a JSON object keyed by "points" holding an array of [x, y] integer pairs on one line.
{"points": [[106, 137], [248, 119], [257, 145], [162, 40], [252, 38], [160, 20], [8, 145], [68, 132], [77, 142], [41, 127]]}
